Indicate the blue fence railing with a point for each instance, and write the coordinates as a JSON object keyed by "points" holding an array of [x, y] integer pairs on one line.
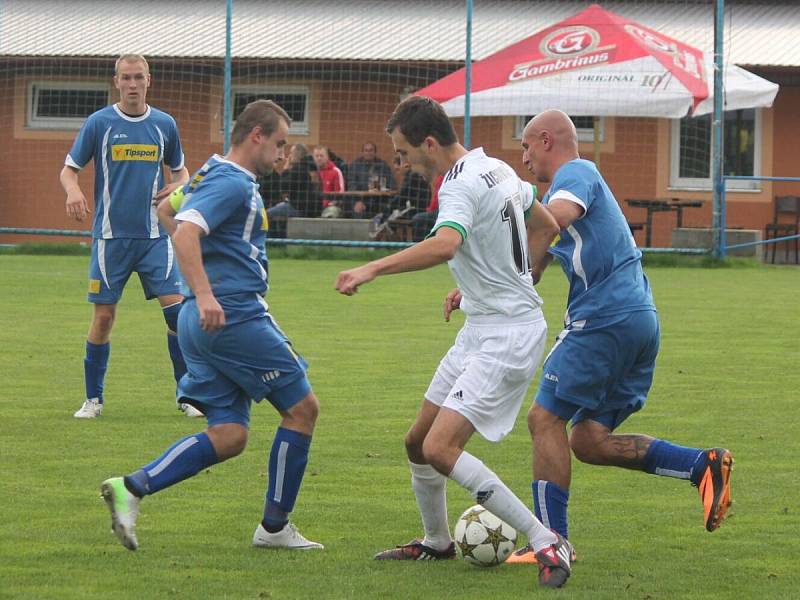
{"points": [[302, 242], [723, 244]]}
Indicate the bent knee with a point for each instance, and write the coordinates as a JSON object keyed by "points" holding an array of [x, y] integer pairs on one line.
{"points": [[585, 445], [229, 440], [302, 417], [435, 454], [238, 444], [307, 410], [413, 443], [540, 419]]}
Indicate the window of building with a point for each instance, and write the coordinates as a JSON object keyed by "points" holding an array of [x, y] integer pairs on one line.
{"points": [[691, 149], [294, 100], [64, 104], [584, 125]]}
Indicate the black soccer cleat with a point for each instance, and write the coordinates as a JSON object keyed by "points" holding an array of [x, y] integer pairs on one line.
{"points": [[416, 550], [554, 563]]}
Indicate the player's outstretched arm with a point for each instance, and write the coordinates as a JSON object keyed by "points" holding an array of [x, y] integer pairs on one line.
{"points": [[428, 253], [77, 206], [186, 240], [542, 229]]}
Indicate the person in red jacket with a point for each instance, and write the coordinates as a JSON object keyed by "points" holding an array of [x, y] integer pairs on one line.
{"points": [[330, 176]]}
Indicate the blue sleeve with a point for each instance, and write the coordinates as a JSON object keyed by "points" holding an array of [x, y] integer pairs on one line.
{"points": [[83, 148], [214, 200], [173, 152], [573, 182]]}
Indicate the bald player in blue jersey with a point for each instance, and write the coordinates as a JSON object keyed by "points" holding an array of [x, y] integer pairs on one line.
{"points": [[234, 350], [130, 143], [601, 366]]}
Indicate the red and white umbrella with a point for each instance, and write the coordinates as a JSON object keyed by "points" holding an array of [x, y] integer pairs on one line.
{"points": [[598, 63]]}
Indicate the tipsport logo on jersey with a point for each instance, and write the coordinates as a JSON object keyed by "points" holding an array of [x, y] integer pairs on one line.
{"points": [[145, 152]]}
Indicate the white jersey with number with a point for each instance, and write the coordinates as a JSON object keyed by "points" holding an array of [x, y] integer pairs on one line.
{"points": [[484, 200]]}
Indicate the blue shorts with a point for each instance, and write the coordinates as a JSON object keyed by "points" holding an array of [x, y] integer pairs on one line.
{"points": [[245, 361], [113, 261], [601, 369]]}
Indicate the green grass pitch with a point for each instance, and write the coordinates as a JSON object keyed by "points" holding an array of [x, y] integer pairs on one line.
{"points": [[727, 375]]}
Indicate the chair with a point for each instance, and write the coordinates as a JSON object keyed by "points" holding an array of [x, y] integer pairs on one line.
{"points": [[785, 206]]}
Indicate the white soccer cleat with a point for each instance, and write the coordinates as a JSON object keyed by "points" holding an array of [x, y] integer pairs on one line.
{"points": [[90, 409], [288, 537], [124, 508], [189, 410]]}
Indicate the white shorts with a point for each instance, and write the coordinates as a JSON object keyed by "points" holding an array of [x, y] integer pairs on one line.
{"points": [[486, 373]]}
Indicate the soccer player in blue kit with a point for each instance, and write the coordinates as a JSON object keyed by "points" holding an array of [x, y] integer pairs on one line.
{"points": [[601, 366], [129, 142], [234, 350]]}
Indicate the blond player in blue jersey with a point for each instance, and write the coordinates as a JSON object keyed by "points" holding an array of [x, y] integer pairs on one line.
{"points": [[130, 143]]}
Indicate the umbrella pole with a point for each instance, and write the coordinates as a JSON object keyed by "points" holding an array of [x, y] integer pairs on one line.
{"points": [[596, 140]]}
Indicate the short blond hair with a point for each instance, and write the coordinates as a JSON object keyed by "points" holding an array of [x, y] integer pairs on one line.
{"points": [[131, 58]]}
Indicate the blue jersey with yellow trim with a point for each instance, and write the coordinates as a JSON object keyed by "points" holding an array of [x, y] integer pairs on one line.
{"points": [[223, 199], [128, 153], [597, 251]]}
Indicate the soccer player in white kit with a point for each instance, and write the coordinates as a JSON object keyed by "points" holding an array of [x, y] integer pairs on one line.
{"points": [[481, 382]]}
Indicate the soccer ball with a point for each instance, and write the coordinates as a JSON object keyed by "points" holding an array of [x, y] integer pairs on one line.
{"points": [[483, 539]]}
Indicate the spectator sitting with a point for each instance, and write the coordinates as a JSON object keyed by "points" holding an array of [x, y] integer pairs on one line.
{"points": [[297, 191], [414, 195], [366, 171], [271, 189], [423, 221], [269, 186], [415, 191], [330, 177]]}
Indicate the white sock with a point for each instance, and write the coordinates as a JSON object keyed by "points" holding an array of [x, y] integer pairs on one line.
{"points": [[430, 489], [491, 493]]}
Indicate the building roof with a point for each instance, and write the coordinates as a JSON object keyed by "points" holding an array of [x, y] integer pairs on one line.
{"points": [[425, 30]]}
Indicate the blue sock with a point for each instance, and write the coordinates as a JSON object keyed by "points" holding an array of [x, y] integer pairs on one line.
{"points": [[94, 368], [550, 505], [182, 460], [171, 317], [670, 460], [287, 464]]}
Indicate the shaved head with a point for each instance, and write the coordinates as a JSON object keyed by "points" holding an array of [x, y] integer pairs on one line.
{"points": [[548, 141], [558, 124]]}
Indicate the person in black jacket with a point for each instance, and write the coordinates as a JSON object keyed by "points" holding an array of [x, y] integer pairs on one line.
{"points": [[415, 191], [293, 193]]}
